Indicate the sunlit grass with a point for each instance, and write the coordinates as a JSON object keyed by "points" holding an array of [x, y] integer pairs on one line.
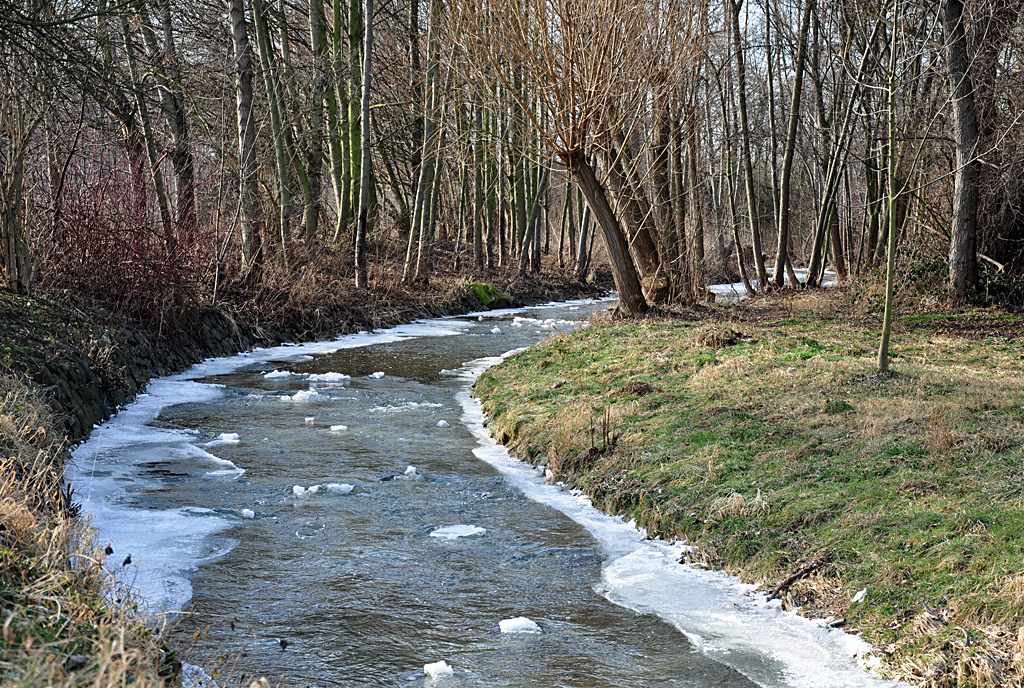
{"points": [[772, 442]]}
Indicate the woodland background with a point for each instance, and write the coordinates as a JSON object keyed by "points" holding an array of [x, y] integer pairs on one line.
{"points": [[155, 153]]}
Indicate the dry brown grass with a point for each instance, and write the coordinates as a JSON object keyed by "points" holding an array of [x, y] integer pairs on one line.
{"points": [[59, 627]]}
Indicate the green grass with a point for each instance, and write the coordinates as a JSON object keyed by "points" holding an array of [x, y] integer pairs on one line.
{"points": [[914, 482]]}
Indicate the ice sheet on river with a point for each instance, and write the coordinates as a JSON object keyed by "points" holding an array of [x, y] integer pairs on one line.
{"points": [[723, 617]]}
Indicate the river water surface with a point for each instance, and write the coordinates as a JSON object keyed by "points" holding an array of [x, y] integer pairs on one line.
{"points": [[370, 523]]}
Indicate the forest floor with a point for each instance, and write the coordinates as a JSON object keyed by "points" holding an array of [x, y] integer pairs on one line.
{"points": [[64, 364], [763, 433]]}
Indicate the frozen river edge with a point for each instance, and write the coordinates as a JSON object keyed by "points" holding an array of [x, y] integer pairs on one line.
{"points": [[724, 618]]}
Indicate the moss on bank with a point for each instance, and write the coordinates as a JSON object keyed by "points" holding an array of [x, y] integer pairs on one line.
{"points": [[764, 435]]}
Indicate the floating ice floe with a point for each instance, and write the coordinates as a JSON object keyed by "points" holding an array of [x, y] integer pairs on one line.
{"points": [[339, 488], [336, 488], [275, 374], [410, 472], [376, 376], [339, 428], [442, 423], [495, 330], [329, 377], [248, 513], [438, 669], [310, 419], [404, 406], [302, 395], [520, 624], [224, 438], [455, 532]]}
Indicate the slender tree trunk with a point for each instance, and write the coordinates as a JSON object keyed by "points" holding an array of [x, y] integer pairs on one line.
{"points": [[365, 178], [963, 263], [748, 169], [276, 125], [478, 190], [248, 190], [356, 26], [782, 254], [150, 138], [318, 99], [890, 271]]}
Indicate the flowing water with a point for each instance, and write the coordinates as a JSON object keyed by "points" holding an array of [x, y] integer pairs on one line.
{"points": [[370, 523]]}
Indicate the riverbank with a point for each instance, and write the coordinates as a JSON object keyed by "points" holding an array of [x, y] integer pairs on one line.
{"points": [[762, 433], [64, 368]]}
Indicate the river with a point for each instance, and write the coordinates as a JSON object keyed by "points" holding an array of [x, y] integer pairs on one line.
{"points": [[344, 497]]}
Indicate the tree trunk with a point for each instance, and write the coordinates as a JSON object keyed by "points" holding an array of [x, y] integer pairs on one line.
{"points": [[364, 177], [963, 266], [631, 294], [248, 190], [748, 169], [782, 254], [150, 137], [277, 125]]}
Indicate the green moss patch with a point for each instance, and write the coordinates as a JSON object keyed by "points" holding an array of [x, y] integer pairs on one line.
{"points": [[487, 295]]}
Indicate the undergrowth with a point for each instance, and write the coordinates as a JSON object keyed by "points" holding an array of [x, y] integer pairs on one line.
{"points": [[764, 435]]}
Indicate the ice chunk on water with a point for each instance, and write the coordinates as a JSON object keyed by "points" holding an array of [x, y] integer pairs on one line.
{"points": [[339, 488], [454, 532], [248, 513], [338, 428], [224, 438], [438, 669], [378, 375], [442, 423], [299, 490], [275, 374], [520, 624], [329, 377], [302, 396], [495, 330], [309, 419], [410, 472]]}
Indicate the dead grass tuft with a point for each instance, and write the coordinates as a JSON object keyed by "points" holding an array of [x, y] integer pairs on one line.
{"points": [[58, 627]]}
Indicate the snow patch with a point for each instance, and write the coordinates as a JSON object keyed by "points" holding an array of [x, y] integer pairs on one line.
{"points": [[376, 376]]}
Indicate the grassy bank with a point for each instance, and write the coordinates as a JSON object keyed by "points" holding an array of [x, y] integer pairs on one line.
{"points": [[58, 627], [763, 434]]}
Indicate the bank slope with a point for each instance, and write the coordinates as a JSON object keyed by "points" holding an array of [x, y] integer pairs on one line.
{"points": [[891, 504]]}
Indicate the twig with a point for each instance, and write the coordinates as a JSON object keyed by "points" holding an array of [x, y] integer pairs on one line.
{"points": [[802, 572]]}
